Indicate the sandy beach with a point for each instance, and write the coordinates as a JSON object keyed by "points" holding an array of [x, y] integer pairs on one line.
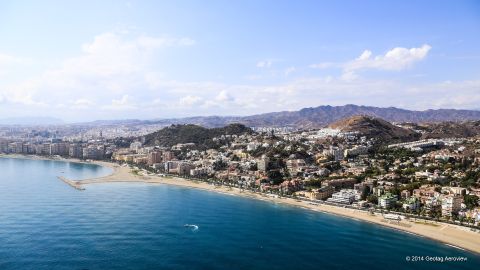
{"points": [[457, 236]]}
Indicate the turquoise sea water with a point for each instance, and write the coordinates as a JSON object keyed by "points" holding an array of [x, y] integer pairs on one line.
{"points": [[46, 224]]}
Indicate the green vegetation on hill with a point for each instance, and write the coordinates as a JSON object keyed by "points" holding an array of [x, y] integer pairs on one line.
{"points": [[200, 136]]}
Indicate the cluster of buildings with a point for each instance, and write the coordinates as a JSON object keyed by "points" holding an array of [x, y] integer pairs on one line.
{"points": [[329, 165], [421, 145], [95, 150]]}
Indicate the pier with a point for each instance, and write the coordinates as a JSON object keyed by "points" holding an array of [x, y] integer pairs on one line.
{"points": [[75, 184]]}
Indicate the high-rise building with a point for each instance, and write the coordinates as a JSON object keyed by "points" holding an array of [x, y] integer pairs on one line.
{"points": [[75, 151], [334, 151], [154, 157], [451, 204], [93, 152], [59, 148], [45, 149], [262, 164], [168, 155], [3, 146]]}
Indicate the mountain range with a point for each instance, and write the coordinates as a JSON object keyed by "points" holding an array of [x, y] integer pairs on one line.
{"points": [[314, 117], [322, 116]]}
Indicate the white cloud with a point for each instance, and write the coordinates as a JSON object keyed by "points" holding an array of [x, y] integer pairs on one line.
{"points": [[365, 55], [113, 64], [82, 103], [114, 73], [224, 96], [222, 99], [157, 101], [6, 59], [189, 101], [11, 65], [153, 42], [124, 103], [323, 65], [289, 70], [396, 59], [349, 76], [264, 64]]}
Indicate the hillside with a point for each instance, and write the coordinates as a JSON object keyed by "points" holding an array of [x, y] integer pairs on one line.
{"points": [[375, 128], [451, 129], [201, 136]]}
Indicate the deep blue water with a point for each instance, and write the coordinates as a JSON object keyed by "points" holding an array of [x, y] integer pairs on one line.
{"points": [[46, 224]]}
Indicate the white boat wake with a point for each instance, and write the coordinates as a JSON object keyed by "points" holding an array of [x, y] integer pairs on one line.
{"points": [[192, 226]]}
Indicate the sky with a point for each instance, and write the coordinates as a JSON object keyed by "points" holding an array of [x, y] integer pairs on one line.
{"points": [[90, 60]]}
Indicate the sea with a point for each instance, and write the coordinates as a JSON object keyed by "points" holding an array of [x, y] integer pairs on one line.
{"points": [[46, 224]]}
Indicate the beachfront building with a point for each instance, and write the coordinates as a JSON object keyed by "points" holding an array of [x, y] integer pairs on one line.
{"points": [[94, 152], [75, 150], [411, 204], [451, 204], [344, 196], [320, 193], [59, 148], [340, 183], [154, 157], [387, 200]]}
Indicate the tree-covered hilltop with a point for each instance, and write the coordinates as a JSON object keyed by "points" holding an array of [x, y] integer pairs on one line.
{"points": [[203, 138]]}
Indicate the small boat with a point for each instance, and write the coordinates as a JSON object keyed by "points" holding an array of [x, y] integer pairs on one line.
{"points": [[193, 226]]}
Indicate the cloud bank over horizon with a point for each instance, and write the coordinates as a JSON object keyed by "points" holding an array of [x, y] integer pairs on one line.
{"points": [[130, 73]]}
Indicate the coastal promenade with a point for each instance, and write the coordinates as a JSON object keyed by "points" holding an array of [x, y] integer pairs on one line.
{"points": [[454, 235]]}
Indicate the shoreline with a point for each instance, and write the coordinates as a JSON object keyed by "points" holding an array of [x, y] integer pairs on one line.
{"points": [[452, 235]]}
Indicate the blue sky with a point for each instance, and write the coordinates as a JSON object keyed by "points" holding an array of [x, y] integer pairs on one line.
{"points": [[159, 59]]}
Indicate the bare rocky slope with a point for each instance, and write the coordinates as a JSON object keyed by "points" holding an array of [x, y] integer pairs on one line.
{"points": [[373, 127]]}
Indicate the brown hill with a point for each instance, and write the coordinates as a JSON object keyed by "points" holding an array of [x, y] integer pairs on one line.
{"points": [[375, 128], [451, 129]]}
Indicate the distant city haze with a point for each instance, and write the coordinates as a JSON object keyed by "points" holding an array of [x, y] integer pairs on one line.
{"points": [[149, 59]]}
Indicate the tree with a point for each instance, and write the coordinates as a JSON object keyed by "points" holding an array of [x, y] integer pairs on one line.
{"points": [[373, 199], [219, 165], [471, 201], [275, 176], [365, 192]]}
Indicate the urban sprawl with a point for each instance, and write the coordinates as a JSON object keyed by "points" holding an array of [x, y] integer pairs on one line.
{"points": [[434, 179]]}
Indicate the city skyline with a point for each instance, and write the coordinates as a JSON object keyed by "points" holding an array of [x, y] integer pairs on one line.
{"points": [[146, 60]]}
